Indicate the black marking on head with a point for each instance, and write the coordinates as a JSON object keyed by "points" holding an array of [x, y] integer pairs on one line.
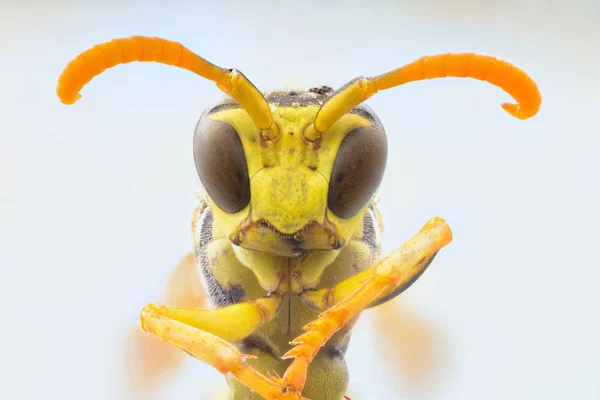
{"points": [[366, 112], [321, 90], [297, 98], [219, 295], [227, 103]]}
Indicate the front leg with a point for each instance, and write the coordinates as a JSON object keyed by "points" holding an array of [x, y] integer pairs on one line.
{"points": [[232, 323], [323, 299], [393, 271], [205, 335]]}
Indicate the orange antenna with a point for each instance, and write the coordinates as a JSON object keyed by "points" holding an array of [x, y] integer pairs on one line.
{"points": [[460, 65], [94, 61]]}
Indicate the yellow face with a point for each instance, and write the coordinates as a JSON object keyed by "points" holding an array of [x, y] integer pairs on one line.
{"points": [[283, 196], [292, 172]]}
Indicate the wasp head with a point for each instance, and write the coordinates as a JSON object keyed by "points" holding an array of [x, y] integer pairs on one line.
{"points": [[289, 194]]}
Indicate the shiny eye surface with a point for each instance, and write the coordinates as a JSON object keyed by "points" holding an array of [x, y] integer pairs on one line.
{"points": [[221, 164], [358, 170]]}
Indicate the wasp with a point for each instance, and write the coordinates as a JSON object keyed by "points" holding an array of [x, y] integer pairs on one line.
{"points": [[287, 233]]}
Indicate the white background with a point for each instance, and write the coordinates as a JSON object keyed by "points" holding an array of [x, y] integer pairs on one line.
{"points": [[95, 199]]}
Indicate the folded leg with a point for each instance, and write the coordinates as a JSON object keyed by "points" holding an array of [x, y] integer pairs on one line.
{"points": [[209, 348], [323, 299], [185, 329], [232, 323], [397, 269]]}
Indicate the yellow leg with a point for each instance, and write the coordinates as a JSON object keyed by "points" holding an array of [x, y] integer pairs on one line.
{"points": [[232, 323], [323, 299], [400, 267], [215, 351]]}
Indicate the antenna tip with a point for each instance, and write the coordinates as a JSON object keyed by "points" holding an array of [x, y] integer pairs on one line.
{"points": [[67, 98], [517, 111]]}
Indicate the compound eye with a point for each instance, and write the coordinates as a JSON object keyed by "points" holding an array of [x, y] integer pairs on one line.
{"points": [[221, 164], [357, 170]]}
